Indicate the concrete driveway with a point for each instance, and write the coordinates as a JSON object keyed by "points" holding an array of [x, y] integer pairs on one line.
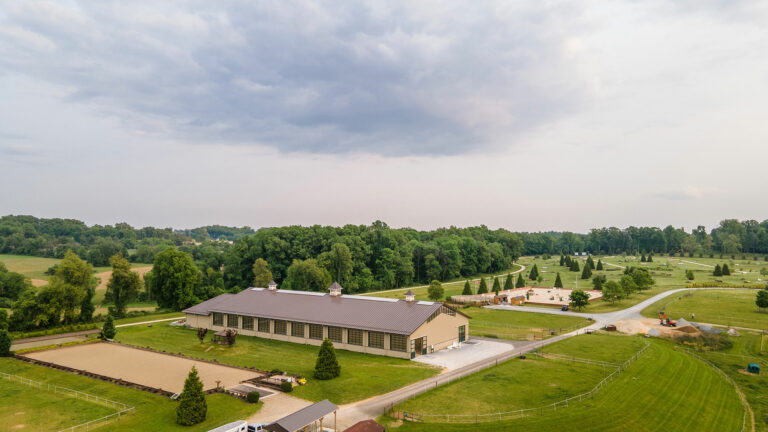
{"points": [[471, 351]]}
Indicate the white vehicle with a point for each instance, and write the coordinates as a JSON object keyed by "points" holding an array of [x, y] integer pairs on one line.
{"points": [[236, 426], [256, 427]]}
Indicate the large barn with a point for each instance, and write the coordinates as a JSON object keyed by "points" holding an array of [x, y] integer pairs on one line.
{"points": [[397, 328]]}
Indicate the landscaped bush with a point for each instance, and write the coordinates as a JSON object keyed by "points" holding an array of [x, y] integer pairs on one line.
{"points": [[5, 343], [286, 387], [253, 397]]}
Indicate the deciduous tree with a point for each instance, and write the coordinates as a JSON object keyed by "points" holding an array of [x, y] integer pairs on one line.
{"points": [[124, 285], [262, 276], [174, 277], [579, 299], [435, 291]]}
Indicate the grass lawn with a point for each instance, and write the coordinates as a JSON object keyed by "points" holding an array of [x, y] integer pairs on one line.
{"points": [[34, 267], [149, 317], [726, 307], [451, 287], [663, 390], [516, 325], [153, 412], [362, 375], [612, 348]]}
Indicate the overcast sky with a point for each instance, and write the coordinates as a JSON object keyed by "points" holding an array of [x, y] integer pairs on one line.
{"points": [[539, 115]]}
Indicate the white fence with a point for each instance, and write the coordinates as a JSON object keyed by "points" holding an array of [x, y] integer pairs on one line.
{"points": [[509, 415], [120, 408]]}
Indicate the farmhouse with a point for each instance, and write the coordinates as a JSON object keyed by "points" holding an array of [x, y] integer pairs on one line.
{"points": [[390, 327]]}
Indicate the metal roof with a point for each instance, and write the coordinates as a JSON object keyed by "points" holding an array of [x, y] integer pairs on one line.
{"points": [[303, 417], [359, 312]]}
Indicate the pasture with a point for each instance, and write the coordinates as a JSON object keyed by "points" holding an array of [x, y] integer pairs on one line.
{"points": [[362, 375], [663, 390], [152, 412], [514, 325], [725, 307]]}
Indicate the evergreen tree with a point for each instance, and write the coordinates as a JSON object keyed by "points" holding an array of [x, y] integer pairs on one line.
{"points": [[483, 286], [192, 408], [718, 271], [689, 274], [642, 258], [726, 271], [534, 275], [575, 266], [5, 343], [598, 282], [86, 307], [496, 285], [761, 300], [587, 273], [591, 262], [558, 281], [467, 289], [327, 367], [520, 282], [650, 258], [599, 265], [108, 331], [508, 285], [562, 260], [568, 261]]}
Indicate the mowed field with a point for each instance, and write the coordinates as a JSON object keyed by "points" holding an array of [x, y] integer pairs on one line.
{"points": [[43, 412], [725, 307], [362, 375], [663, 390], [514, 325]]}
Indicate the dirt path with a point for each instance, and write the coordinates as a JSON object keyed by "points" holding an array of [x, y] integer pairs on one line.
{"points": [[692, 262]]}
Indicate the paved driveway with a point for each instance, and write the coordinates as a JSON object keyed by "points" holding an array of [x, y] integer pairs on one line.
{"points": [[470, 352]]}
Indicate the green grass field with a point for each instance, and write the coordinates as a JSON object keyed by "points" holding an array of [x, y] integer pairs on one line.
{"points": [[514, 325], [153, 412], [726, 307], [663, 390], [34, 267], [451, 287], [362, 375]]}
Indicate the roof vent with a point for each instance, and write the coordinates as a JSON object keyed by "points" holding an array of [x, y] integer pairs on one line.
{"points": [[410, 296], [272, 286], [335, 289]]}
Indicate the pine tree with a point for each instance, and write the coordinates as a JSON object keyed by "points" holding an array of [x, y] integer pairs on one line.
{"points": [[496, 285], [192, 408], [568, 261], [591, 262], [562, 260], [642, 258], [483, 287], [587, 273], [575, 266], [86, 307], [520, 282], [650, 258], [726, 270], [508, 283], [108, 331], [5, 343], [558, 281], [599, 265], [467, 289], [327, 367], [534, 275], [718, 271]]}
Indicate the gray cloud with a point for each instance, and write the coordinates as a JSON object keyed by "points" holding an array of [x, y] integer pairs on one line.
{"points": [[318, 77]]}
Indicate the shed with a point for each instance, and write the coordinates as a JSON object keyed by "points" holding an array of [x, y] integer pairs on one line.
{"points": [[754, 368], [305, 419], [610, 327], [365, 426]]}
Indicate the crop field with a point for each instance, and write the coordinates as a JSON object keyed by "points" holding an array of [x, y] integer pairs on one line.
{"points": [[725, 307], [362, 375], [514, 325], [663, 390], [40, 411]]}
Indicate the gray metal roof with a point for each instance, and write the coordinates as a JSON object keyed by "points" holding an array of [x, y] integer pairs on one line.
{"points": [[359, 312], [303, 417]]}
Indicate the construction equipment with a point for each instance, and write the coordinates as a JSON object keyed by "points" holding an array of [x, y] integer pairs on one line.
{"points": [[665, 321]]}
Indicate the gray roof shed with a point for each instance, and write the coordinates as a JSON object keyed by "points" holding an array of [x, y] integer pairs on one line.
{"points": [[303, 417]]}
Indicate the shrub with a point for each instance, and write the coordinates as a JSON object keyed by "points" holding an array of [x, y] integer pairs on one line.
{"points": [[253, 397], [5, 343], [286, 387], [108, 331]]}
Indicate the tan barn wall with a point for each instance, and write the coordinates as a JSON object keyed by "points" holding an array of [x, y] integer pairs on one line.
{"points": [[441, 332]]}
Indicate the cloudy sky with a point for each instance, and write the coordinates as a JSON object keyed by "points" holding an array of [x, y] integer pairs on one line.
{"points": [[539, 115]]}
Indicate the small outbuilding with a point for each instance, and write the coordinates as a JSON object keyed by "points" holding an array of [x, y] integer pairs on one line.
{"points": [[366, 426], [308, 419]]}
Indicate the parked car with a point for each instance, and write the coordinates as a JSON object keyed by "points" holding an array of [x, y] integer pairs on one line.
{"points": [[564, 308], [256, 427]]}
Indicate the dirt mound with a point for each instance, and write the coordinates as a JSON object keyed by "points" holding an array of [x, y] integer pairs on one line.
{"points": [[634, 326], [691, 330]]}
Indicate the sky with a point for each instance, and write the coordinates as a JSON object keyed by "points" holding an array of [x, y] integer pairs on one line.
{"points": [[529, 115]]}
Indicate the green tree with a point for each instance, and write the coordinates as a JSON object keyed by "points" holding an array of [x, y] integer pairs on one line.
{"points": [[641, 276], [520, 282], [262, 276], [467, 289], [628, 284], [562, 260], [327, 367], [70, 284], [307, 275], [717, 271], [612, 291], [762, 299], [726, 271], [174, 277], [5, 343], [599, 265], [108, 330], [689, 275], [12, 284], [508, 282], [340, 262], [86, 307], [590, 262], [496, 285], [598, 281], [558, 281], [124, 285], [642, 258], [483, 286], [192, 407], [575, 265], [534, 274], [579, 299], [587, 272], [650, 258], [435, 291], [3, 319]]}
